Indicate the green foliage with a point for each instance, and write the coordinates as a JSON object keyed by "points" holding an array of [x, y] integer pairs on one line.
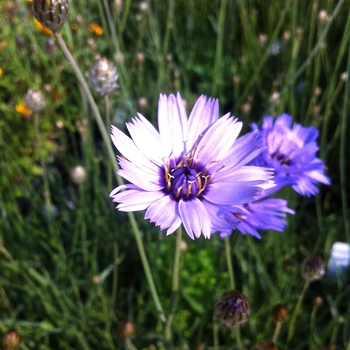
{"points": [[70, 270]]}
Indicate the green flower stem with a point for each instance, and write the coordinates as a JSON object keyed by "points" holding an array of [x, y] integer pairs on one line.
{"points": [[112, 157], [228, 254], [47, 196], [277, 331], [296, 311], [108, 123], [343, 151], [229, 262], [174, 289]]}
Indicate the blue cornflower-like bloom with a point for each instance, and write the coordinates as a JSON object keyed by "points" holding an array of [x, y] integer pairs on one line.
{"points": [[291, 151], [264, 214], [192, 172]]}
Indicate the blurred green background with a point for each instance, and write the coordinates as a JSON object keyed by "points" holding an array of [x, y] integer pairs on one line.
{"points": [[70, 271]]}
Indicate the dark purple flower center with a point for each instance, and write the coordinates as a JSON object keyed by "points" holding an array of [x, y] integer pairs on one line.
{"points": [[281, 158], [185, 179]]}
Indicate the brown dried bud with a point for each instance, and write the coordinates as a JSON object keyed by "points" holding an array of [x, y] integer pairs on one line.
{"points": [[11, 340], [35, 100], [52, 14], [318, 301], [265, 345], [232, 309], [312, 268], [126, 329], [103, 76], [279, 313]]}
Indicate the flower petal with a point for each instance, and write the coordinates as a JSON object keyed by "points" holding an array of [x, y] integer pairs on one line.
{"points": [[195, 218], [164, 213], [172, 122], [204, 113]]}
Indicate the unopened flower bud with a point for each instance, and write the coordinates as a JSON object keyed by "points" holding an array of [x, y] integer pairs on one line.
{"points": [[232, 309], [103, 76], [318, 301], [11, 340], [142, 103], [78, 175], [322, 17], [344, 76], [312, 268], [35, 100], [140, 57], [246, 107], [279, 313], [126, 329], [52, 14], [265, 345], [143, 6]]}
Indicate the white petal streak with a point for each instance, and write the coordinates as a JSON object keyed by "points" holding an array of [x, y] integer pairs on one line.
{"points": [[244, 173], [147, 139], [204, 113], [133, 200], [122, 187], [195, 218], [164, 213], [135, 175], [127, 147], [172, 121], [218, 139]]}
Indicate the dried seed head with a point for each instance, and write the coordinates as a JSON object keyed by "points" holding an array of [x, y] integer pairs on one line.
{"points": [[265, 345], [142, 103], [52, 14], [232, 309], [126, 329], [11, 340], [279, 313], [35, 100], [140, 57], [78, 175], [312, 268], [103, 76]]}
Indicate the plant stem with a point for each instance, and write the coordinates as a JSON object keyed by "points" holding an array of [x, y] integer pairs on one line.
{"points": [[277, 331], [343, 152], [47, 196], [229, 262], [296, 311], [174, 290], [112, 157]]}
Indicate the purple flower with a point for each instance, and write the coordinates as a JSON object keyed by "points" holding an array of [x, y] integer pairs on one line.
{"points": [[291, 151], [193, 171], [264, 214]]}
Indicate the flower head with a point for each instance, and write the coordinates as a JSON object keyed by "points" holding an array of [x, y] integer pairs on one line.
{"points": [[193, 171], [264, 214], [291, 151], [103, 76], [232, 309]]}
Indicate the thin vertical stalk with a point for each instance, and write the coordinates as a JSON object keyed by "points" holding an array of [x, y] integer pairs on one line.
{"points": [[174, 289], [342, 155], [108, 123], [218, 53], [229, 262], [296, 311], [112, 157], [47, 195]]}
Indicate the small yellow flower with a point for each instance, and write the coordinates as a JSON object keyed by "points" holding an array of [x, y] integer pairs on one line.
{"points": [[94, 27], [1, 72], [23, 110], [41, 28], [3, 44]]}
